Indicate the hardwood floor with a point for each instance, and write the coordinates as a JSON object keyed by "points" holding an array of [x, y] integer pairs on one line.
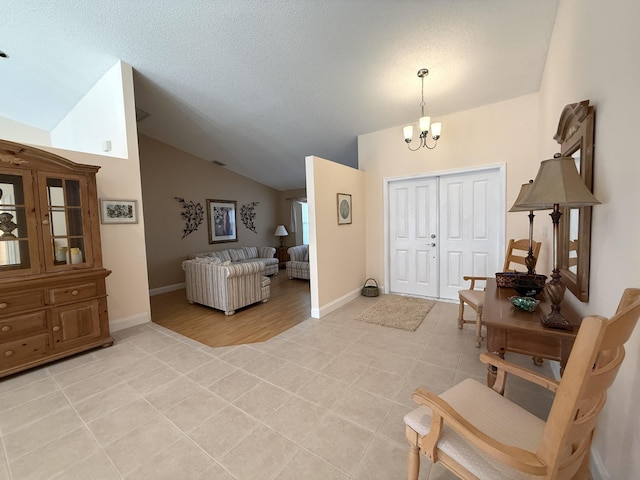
{"points": [[289, 304]]}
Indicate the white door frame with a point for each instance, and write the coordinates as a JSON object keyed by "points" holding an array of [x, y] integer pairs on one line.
{"points": [[502, 177]]}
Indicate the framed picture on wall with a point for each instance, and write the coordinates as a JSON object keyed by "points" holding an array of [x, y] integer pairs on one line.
{"points": [[344, 209], [118, 211], [221, 217]]}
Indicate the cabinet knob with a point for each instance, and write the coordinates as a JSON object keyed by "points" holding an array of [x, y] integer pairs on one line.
{"points": [[74, 292], [45, 221], [56, 328], [6, 328], [4, 305], [8, 353]]}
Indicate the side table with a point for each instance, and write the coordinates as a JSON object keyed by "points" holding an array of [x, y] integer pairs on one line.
{"points": [[282, 256]]}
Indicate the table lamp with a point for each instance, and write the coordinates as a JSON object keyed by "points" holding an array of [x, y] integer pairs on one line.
{"points": [[281, 232], [557, 184]]}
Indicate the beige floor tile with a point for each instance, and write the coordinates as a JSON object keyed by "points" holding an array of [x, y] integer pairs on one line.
{"points": [[188, 360], [121, 421], [71, 363], [182, 460], [94, 467], [263, 365], [262, 400], [94, 385], [28, 412], [166, 396], [322, 390], [241, 355], [103, 402], [14, 382], [309, 467], [385, 460], [153, 342], [27, 392], [338, 442], [392, 363], [290, 377], [4, 467], [54, 457], [393, 427], [195, 410], [215, 472], [363, 408], [211, 372], [150, 380], [381, 383], [138, 368], [234, 385], [222, 432], [296, 419], [80, 372], [345, 369], [141, 444], [262, 454], [40, 432]]}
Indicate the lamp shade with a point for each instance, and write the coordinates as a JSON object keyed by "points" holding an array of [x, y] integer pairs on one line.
{"points": [[524, 191], [280, 231], [557, 183]]}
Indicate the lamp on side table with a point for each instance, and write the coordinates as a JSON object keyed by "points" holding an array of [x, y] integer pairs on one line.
{"points": [[281, 252]]}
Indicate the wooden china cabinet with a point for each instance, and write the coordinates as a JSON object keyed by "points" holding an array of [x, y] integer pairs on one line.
{"points": [[53, 300]]}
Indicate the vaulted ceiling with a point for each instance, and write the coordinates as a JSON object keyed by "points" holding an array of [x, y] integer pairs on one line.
{"points": [[258, 85]]}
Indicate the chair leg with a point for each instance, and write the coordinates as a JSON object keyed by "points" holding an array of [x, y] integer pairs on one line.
{"points": [[479, 328], [461, 315], [414, 463]]}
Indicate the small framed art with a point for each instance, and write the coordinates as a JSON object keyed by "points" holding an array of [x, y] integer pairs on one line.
{"points": [[221, 217], [344, 209], [118, 211]]}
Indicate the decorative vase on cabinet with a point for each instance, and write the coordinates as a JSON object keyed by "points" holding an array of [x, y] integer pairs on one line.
{"points": [[50, 307]]}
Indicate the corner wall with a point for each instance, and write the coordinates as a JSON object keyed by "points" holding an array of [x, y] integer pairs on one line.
{"points": [[336, 252], [593, 56]]}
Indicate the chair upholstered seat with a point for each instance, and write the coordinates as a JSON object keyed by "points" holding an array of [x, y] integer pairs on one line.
{"points": [[494, 415], [473, 297]]}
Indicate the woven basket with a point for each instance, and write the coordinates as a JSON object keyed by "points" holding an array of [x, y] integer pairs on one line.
{"points": [[370, 290], [506, 279], [514, 279]]}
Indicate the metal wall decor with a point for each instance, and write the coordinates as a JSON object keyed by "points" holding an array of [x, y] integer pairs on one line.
{"points": [[247, 214], [193, 214]]}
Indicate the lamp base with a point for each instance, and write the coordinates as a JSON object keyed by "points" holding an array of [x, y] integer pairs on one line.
{"points": [[554, 319]]}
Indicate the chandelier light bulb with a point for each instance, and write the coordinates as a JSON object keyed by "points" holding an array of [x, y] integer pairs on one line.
{"points": [[424, 123]]}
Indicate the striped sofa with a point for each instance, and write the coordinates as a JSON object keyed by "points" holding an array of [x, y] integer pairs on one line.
{"points": [[298, 264], [225, 286], [264, 255]]}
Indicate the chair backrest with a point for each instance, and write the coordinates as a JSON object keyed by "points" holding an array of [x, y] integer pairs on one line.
{"points": [[592, 367], [517, 251]]}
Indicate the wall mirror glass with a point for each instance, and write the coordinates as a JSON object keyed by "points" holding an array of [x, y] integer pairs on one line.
{"points": [[576, 132]]}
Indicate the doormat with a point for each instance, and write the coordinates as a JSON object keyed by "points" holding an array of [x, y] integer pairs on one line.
{"points": [[397, 311]]}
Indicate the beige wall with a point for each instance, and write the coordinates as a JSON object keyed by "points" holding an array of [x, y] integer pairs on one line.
{"points": [[593, 55], [504, 132], [168, 173], [336, 252]]}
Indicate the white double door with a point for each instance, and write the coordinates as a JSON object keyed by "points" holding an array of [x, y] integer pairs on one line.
{"points": [[441, 228]]}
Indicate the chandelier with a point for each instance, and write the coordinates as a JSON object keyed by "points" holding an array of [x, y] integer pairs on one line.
{"points": [[424, 122]]}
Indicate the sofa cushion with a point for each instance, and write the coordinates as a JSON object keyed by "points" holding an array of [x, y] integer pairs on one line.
{"points": [[306, 256], [250, 252], [237, 254], [224, 255]]}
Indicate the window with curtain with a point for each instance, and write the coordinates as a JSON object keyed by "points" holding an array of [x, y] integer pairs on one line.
{"points": [[305, 223]]}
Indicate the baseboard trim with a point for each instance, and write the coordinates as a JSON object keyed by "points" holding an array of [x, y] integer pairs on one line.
{"points": [[128, 322], [337, 303], [166, 289]]}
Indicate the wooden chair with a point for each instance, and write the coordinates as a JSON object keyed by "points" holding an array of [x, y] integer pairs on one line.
{"points": [[475, 297], [478, 434]]}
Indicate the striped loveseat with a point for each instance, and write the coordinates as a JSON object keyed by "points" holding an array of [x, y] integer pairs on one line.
{"points": [[225, 286], [298, 264], [264, 255]]}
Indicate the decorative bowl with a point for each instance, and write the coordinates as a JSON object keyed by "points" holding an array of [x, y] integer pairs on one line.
{"points": [[526, 304], [529, 285]]}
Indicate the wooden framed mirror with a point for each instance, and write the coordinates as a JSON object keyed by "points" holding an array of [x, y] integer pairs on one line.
{"points": [[576, 132]]}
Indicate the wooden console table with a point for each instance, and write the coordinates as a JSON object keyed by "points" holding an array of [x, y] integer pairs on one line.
{"points": [[512, 330]]}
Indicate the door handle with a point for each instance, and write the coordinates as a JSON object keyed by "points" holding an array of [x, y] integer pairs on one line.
{"points": [[433, 244], [433, 235]]}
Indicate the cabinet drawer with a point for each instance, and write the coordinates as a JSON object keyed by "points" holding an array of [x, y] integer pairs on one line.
{"points": [[13, 303], [26, 349], [22, 324], [73, 292]]}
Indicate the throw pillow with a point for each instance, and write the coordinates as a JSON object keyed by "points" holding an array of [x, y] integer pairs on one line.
{"points": [[251, 252], [306, 256], [224, 255], [237, 254]]}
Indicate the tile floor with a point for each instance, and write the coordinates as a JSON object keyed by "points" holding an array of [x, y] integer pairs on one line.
{"points": [[324, 400]]}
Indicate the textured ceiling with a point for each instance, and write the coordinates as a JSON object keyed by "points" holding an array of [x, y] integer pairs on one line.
{"points": [[259, 85]]}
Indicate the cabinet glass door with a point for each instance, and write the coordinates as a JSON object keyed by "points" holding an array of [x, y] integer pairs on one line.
{"points": [[18, 245], [65, 223]]}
